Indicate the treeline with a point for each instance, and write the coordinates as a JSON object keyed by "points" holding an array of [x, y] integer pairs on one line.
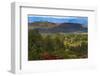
{"points": [[56, 46]]}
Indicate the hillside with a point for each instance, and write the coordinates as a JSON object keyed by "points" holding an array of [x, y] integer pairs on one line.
{"points": [[48, 27], [41, 25]]}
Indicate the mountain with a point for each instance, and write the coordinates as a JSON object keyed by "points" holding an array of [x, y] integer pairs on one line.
{"points": [[41, 25], [48, 27], [71, 27]]}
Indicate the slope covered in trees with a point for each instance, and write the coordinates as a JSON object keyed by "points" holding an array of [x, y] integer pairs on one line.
{"points": [[44, 46]]}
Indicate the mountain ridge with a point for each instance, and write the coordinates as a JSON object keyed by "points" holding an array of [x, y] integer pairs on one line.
{"points": [[46, 27]]}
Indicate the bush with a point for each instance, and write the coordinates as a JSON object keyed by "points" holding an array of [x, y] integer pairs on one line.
{"points": [[56, 46]]}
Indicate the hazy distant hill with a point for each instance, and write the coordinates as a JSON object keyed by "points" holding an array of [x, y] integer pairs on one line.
{"points": [[48, 27], [71, 27], [41, 25]]}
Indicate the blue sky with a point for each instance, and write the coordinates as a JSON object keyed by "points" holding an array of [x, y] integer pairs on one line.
{"points": [[57, 19]]}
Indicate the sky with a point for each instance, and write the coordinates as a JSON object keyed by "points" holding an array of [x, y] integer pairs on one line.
{"points": [[57, 19]]}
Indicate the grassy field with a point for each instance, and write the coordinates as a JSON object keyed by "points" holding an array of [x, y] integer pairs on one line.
{"points": [[48, 46]]}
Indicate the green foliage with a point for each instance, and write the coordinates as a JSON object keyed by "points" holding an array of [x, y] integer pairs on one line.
{"points": [[56, 46]]}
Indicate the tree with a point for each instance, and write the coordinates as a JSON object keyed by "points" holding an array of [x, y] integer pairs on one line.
{"points": [[34, 44]]}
